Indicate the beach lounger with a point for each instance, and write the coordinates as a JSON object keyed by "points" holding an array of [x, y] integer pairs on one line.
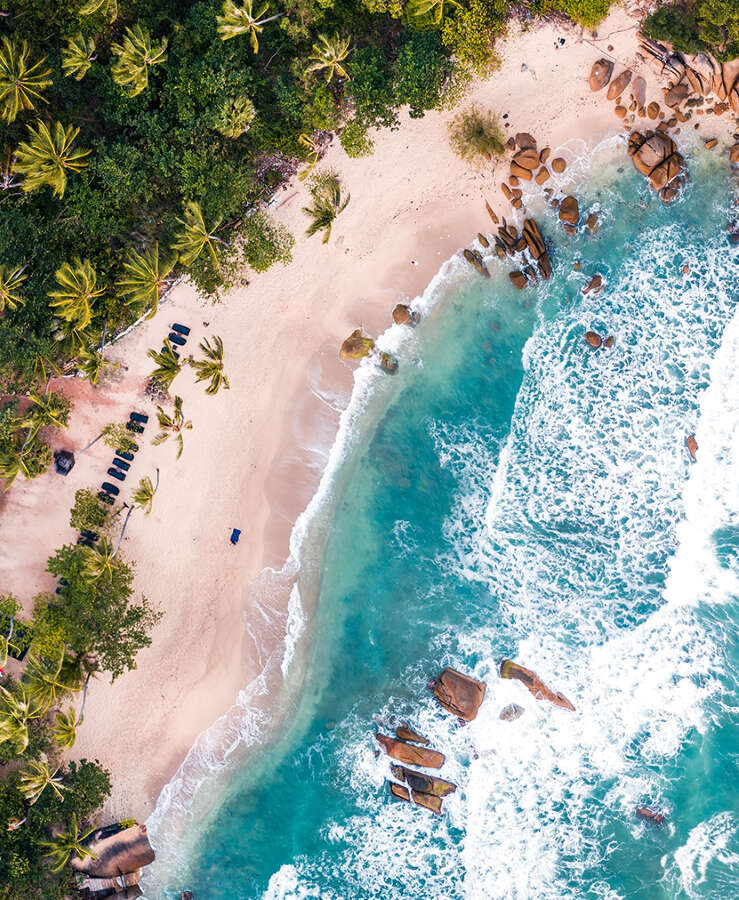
{"points": [[124, 466], [110, 488], [235, 535], [137, 429], [176, 339], [176, 354], [124, 454], [141, 418], [180, 329], [106, 498], [117, 474]]}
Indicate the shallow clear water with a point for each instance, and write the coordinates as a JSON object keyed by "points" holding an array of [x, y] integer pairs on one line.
{"points": [[524, 496]]}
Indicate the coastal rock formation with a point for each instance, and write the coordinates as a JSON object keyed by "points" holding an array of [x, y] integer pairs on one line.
{"points": [[528, 158], [482, 239], [509, 669], [525, 141], [558, 165], [424, 784], [639, 90], [475, 259], [410, 754], [388, 363], [115, 851], [569, 211], [677, 94], [511, 712], [692, 445], [656, 157], [593, 339], [542, 176], [460, 694], [644, 812], [619, 84], [428, 801], [518, 280], [406, 733], [600, 74], [595, 284], [544, 155], [592, 223], [520, 172], [404, 315], [536, 247], [356, 346]]}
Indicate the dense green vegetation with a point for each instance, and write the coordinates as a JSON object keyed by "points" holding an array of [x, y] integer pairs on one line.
{"points": [[691, 27]]}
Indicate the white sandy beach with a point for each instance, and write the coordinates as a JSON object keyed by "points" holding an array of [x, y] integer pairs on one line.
{"points": [[256, 452]]}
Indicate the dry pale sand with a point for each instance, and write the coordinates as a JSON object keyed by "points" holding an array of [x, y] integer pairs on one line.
{"points": [[256, 452]]}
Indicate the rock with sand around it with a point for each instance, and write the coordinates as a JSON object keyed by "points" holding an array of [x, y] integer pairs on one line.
{"points": [[542, 176], [475, 259], [458, 693], [482, 239], [510, 669], [406, 733], [409, 753], [520, 172], [600, 74], [404, 315], [527, 158], [675, 96], [525, 141], [356, 346], [619, 84], [424, 784], [490, 212]]}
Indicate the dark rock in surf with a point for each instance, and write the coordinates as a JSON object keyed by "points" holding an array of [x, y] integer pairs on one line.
{"points": [[458, 693], [425, 784], [511, 712], [406, 733], [644, 812], [510, 669], [410, 754]]}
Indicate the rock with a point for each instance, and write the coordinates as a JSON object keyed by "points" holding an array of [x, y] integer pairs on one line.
{"points": [[511, 143], [542, 176], [458, 693], [593, 339], [356, 346], [692, 445], [406, 733], [653, 110], [516, 193], [685, 269], [533, 238], [509, 669], [520, 172], [544, 155], [620, 111], [558, 165], [500, 251], [666, 171], [520, 246], [513, 180], [544, 266], [490, 212], [676, 95], [424, 784], [511, 712], [529, 272], [527, 158], [595, 284], [669, 194], [619, 85], [388, 363], [653, 151], [608, 342], [592, 223], [404, 315], [525, 140], [518, 279], [600, 74], [506, 190], [517, 203], [734, 155], [410, 754], [577, 265], [635, 141], [710, 143], [474, 259], [639, 90], [569, 210], [569, 229], [644, 812], [483, 240], [397, 790], [427, 801]]}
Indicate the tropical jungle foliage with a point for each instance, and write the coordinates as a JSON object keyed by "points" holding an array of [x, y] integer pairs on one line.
{"points": [[700, 25]]}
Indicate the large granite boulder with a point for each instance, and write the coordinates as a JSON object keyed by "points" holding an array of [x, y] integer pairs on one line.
{"points": [[427, 801], [356, 346], [458, 693], [569, 211], [406, 733], [509, 669], [410, 754], [424, 784], [656, 157], [404, 315], [600, 74], [475, 260], [677, 94], [619, 84], [116, 853], [527, 158]]}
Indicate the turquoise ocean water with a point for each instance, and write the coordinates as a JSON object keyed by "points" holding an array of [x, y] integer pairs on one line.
{"points": [[516, 494]]}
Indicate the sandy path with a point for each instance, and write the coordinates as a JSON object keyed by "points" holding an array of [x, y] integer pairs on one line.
{"points": [[245, 463]]}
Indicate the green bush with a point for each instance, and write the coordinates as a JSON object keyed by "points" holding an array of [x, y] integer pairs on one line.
{"points": [[475, 135]]}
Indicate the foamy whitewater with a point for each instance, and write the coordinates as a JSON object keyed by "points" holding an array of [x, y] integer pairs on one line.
{"points": [[510, 493]]}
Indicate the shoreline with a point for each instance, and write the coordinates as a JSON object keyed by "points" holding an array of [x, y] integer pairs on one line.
{"points": [[258, 451]]}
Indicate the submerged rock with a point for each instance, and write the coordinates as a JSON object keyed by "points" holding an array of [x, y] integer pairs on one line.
{"points": [[410, 754], [356, 346], [425, 784], [644, 812], [406, 733], [511, 712], [595, 284], [518, 280], [510, 669], [458, 693]]}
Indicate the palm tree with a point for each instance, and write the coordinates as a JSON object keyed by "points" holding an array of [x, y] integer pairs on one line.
{"points": [[194, 237], [238, 20], [143, 496], [172, 425], [77, 290], [66, 843], [145, 278], [30, 459], [36, 777], [92, 364], [135, 55], [109, 7], [212, 366], [78, 56], [47, 156], [236, 116], [65, 729], [327, 204], [430, 10], [168, 366], [21, 81], [99, 561], [47, 680], [328, 54], [51, 408], [10, 281], [17, 709], [314, 149]]}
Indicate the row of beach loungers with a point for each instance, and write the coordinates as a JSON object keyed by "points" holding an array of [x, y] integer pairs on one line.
{"points": [[178, 336]]}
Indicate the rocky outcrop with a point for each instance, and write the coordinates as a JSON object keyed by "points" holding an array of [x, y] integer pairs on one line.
{"points": [[115, 851], [406, 733], [619, 84], [644, 812], [356, 346], [600, 74], [475, 259], [511, 712], [424, 784], [458, 693], [404, 315], [410, 754], [428, 801], [518, 279], [509, 669], [569, 211], [558, 165], [595, 285], [388, 363], [536, 247], [655, 156], [692, 445], [594, 340], [528, 158]]}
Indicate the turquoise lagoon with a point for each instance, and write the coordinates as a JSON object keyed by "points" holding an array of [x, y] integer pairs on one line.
{"points": [[512, 493]]}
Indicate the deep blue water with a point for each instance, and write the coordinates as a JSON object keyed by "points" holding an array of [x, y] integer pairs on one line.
{"points": [[525, 496]]}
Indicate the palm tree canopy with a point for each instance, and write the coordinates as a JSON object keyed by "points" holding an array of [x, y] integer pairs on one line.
{"points": [[46, 679], [99, 561], [108, 7], [76, 292], [51, 408], [168, 366], [10, 280], [143, 496], [21, 81], [65, 729], [211, 368], [172, 425], [236, 116], [430, 10], [135, 55], [328, 54], [145, 277], [238, 20], [17, 708], [77, 56], [36, 777], [30, 458], [327, 204], [194, 236], [66, 843], [91, 363], [47, 155]]}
